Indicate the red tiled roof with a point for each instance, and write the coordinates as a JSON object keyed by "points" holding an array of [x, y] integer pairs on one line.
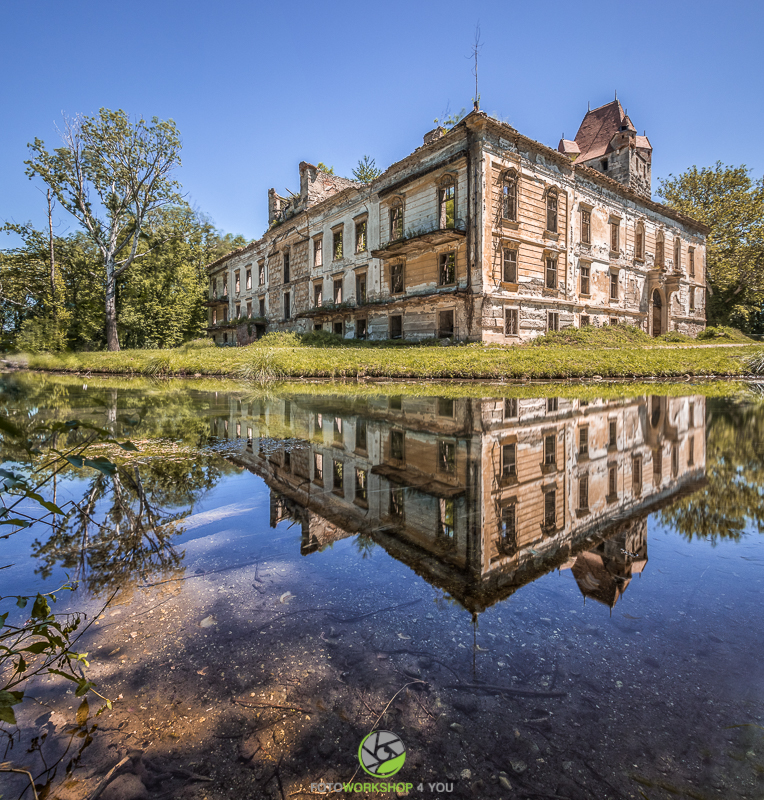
{"points": [[597, 129], [644, 143], [568, 147]]}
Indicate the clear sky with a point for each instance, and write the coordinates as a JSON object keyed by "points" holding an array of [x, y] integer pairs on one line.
{"points": [[255, 87]]}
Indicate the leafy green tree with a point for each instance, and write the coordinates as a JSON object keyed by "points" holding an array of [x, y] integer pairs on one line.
{"points": [[112, 175], [732, 204], [324, 168], [366, 171]]}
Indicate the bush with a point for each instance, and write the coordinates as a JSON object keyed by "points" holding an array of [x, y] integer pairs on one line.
{"points": [[674, 336], [322, 339], [277, 339], [198, 344], [589, 336], [41, 335], [723, 333]]}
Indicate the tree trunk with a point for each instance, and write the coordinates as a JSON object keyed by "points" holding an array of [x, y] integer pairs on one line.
{"points": [[112, 336], [52, 255]]}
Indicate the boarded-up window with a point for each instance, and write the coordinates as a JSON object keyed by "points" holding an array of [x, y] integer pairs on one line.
{"points": [[396, 327], [446, 324], [396, 220], [585, 278], [447, 203], [396, 278], [550, 508], [551, 273], [360, 237], [447, 271], [586, 226], [615, 236], [318, 252], [509, 265], [511, 322], [552, 321], [509, 196], [337, 251], [509, 461], [550, 450], [551, 211], [583, 492]]}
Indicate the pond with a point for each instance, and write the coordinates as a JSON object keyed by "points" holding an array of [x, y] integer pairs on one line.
{"points": [[543, 591]]}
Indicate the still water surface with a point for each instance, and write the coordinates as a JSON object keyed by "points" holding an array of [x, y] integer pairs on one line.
{"points": [[571, 587]]}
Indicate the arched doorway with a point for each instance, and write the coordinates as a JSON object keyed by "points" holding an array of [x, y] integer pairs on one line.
{"points": [[657, 313]]}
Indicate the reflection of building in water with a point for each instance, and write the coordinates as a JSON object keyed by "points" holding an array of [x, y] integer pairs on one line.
{"points": [[478, 496]]}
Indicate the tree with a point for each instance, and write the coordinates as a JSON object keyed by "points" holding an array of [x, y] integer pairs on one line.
{"points": [[732, 205], [366, 171], [324, 168], [112, 175]]}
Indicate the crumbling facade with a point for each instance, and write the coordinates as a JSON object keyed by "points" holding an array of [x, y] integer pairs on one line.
{"points": [[481, 234]]}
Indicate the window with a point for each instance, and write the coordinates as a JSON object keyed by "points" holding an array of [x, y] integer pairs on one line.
{"points": [[360, 289], [338, 430], [360, 434], [691, 415], [286, 267], [287, 305], [586, 226], [360, 237], [337, 474], [337, 291], [397, 509], [339, 328], [677, 255], [509, 271], [337, 244], [657, 466], [613, 285], [583, 441], [613, 320], [615, 236], [612, 481], [397, 445], [691, 452], [447, 202], [586, 272], [550, 450], [361, 491], [446, 528], [318, 252], [395, 403], [237, 282], [674, 461], [249, 279], [636, 476], [445, 324], [659, 251], [551, 211], [396, 278], [692, 299], [261, 274], [446, 456], [360, 329], [318, 294], [508, 529], [551, 273], [396, 219], [510, 408], [396, 327], [249, 308], [604, 164], [550, 508], [445, 407], [238, 310], [552, 404], [552, 321], [225, 285], [225, 317], [214, 316], [319, 421], [318, 467], [585, 320], [691, 258], [583, 493], [447, 271], [509, 461], [612, 433], [511, 322], [262, 306], [509, 196], [639, 242]]}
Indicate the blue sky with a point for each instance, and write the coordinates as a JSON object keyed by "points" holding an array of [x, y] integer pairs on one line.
{"points": [[256, 88]]}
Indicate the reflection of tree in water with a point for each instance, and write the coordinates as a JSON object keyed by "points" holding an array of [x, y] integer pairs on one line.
{"points": [[124, 526], [733, 496]]}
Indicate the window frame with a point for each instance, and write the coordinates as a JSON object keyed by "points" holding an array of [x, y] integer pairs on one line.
{"points": [[287, 305], [509, 259], [446, 184], [513, 328], [447, 268], [551, 259], [639, 241], [338, 243], [552, 321], [552, 207], [615, 235], [361, 240], [509, 195], [286, 264], [396, 218], [318, 293], [614, 286], [395, 268], [585, 288], [443, 329]]}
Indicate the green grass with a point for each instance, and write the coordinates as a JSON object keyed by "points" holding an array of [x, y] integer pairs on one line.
{"points": [[723, 335], [618, 352]]}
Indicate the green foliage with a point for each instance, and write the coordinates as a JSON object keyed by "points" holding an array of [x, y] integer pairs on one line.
{"points": [[449, 120], [732, 205], [39, 334], [366, 171], [324, 168], [321, 339], [589, 336], [722, 334]]}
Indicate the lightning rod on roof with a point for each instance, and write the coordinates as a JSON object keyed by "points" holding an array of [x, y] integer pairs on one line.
{"points": [[588, 105], [616, 94]]}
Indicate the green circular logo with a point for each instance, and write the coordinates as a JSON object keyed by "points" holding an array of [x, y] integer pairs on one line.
{"points": [[382, 754]]}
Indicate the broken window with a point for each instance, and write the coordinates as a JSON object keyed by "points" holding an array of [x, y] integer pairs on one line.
{"points": [[585, 275], [339, 328], [396, 502], [674, 461], [361, 478], [508, 529], [446, 324], [261, 274], [262, 306], [238, 310], [318, 467], [510, 408], [613, 321], [552, 404], [225, 313], [615, 236], [318, 293], [396, 327], [214, 317], [360, 289], [338, 430], [445, 407], [286, 267], [360, 237], [552, 321], [550, 508], [583, 441], [551, 211], [225, 285], [585, 320], [613, 285], [583, 492], [509, 196], [249, 308], [360, 434], [586, 226], [509, 461], [551, 273], [396, 219], [446, 528], [287, 305], [338, 469], [360, 329], [238, 282], [397, 445], [396, 278], [511, 322], [510, 265], [447, 203], [338, 291], [446, 456], [447, 272], [318, 252], [639, 242], [249, 279], [691, 257], [550, 450], [337, 244]]}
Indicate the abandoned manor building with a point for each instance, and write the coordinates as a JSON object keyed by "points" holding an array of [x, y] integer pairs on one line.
{"points": [[480, 234]]}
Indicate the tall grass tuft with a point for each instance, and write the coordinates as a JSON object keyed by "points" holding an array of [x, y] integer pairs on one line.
{"points": [[261, 367]]}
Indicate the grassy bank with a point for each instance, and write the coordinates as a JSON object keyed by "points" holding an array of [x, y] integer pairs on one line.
{"points": [[608, 353]]}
